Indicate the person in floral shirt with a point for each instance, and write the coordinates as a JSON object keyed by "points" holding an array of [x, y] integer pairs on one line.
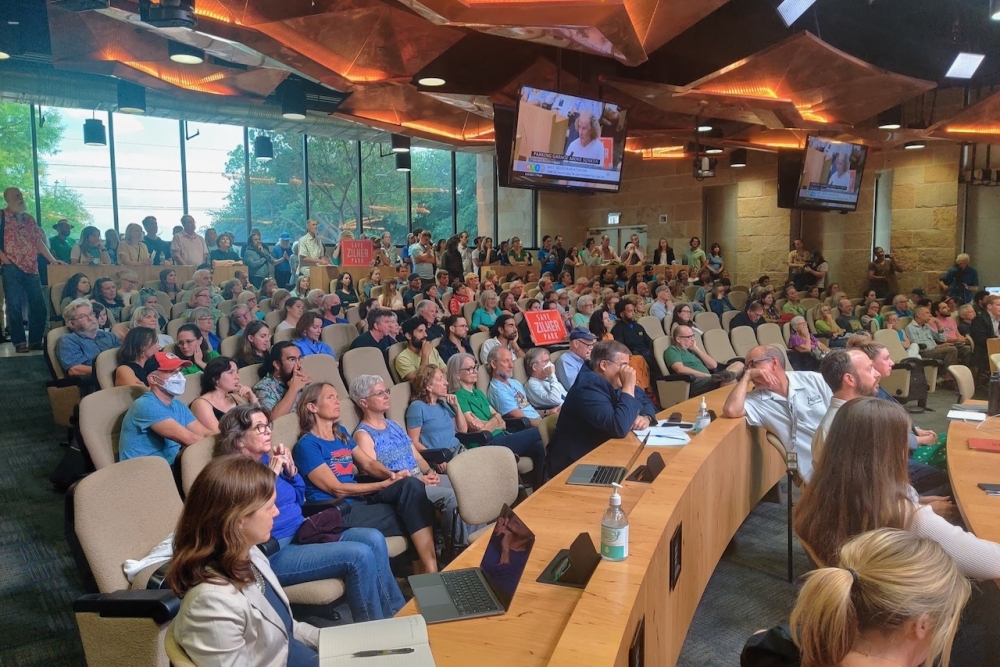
{"points": [[21, 241]]}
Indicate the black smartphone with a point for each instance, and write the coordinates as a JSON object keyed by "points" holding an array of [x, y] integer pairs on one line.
{"points": [[992, 489]]}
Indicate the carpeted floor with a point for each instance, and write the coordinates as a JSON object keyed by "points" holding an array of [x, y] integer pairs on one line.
{"points": [[38, 580]]}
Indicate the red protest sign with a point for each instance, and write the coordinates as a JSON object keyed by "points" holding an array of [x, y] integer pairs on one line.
{"points": [[356, 252], [546, 326]]}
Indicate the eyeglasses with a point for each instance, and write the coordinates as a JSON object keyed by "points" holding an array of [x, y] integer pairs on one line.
{"points": [[752, 362], [688, 336], [470, 368], [263, 428], [379, 394]]}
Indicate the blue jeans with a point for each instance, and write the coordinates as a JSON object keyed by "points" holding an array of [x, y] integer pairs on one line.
{"points": [[359, 558], [24, 289]]}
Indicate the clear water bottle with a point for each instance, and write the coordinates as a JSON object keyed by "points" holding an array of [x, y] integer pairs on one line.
{"points": [[614, 529], [703, 419]]}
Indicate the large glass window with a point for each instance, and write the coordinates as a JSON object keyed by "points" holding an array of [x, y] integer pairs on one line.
{"points": [[514, 215], [148, 169], [15, 150], [216, 184], [383, 190], [277, 187], [333, 184], [474, 216], [75, 181], [430, 188]]}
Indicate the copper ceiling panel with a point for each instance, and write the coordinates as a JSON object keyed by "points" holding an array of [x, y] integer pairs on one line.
{"points": [[600, 28], [391, 107], [99, 44], [477, 104], [668, 18], [826, 85], [364, 41], [982, 118], [774, 113]]}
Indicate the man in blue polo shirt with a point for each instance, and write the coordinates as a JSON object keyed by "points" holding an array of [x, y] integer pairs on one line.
{"points": [[282, 253], [77, 350], [158, 424]]}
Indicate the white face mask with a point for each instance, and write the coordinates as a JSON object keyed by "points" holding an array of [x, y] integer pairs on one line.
{"points": [[175, 384]]}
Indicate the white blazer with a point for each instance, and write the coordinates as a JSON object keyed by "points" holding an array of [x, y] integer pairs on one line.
{"points": [[219, 625]]}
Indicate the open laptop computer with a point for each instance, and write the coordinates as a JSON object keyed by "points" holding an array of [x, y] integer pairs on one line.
{"points": [[595, 475], [486, 590]]}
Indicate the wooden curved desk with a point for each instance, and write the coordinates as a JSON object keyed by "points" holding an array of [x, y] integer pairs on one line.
{"points": [[708, 488], [966, 469]]}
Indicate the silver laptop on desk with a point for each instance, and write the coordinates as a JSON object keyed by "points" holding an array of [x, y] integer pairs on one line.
{"points": [[595, 475], [486, 590]]}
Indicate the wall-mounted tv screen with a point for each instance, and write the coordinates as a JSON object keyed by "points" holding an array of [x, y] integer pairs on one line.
{"points": [[831, 175], [566, 142]]}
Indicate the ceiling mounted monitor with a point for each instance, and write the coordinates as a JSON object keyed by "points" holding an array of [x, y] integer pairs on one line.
{"points": [[965, 65], [168, 13], [791, 10], [564, 142], [831, 175]]}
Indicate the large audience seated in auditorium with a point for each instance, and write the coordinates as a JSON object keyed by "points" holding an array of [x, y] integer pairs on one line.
{"points": [[365, 458]]}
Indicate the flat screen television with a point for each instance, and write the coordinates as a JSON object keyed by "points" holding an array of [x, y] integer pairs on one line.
{"points": [[564, 142], [831, 175], [789, 171]]}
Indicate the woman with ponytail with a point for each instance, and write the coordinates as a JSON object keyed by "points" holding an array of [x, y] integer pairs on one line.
{"points": [[895, 600]]}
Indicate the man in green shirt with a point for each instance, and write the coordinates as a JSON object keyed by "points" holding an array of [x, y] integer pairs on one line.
{"points": [[684, 357], [60, 244], [694, 257]]}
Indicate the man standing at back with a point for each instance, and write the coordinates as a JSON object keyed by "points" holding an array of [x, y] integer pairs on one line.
{"points": [[311, 251], [789, 404], [188, 248], [158, 249], [281, 255], [21, 242], [422, 254], [850, 374]]}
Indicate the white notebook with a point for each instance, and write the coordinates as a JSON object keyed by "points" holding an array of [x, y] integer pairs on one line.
{"points": [[338, 645], [663, 436]]}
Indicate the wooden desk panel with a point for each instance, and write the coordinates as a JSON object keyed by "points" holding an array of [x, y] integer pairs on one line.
{"points": [[710, 485], [966, 469], [59, 273]]}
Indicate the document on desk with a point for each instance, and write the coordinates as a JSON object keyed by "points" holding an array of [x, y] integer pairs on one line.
{"points": [[663, 436], [391, 642], [966, 415]]}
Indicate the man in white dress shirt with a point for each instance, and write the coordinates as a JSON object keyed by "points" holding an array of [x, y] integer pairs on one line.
{"points": [[543, 387]]}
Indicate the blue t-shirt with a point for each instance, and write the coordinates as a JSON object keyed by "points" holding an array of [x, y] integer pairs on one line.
{"points": [[307, 347], [547, 259], [312, 452], [436, 423], [138, 437], [278, 252], [510, 396]]}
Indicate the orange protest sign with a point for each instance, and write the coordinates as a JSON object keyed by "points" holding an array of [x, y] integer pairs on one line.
{"points": [[356, 252], [546, 326]]}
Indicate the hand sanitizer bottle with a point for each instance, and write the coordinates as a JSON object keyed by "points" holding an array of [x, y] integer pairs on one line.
{"points": [[614, 529], [703, 419]]}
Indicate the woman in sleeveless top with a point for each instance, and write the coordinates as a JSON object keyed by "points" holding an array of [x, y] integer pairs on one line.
{"points": [[384, 448], [140, 344], [221, 391]]}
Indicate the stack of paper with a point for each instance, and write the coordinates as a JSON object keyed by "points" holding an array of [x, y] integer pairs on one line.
{"points": [[391, 642], [663, 436]]}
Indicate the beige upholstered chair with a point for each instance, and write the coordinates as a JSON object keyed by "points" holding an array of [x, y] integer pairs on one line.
{"points": [[101, 415], [484, 479]]}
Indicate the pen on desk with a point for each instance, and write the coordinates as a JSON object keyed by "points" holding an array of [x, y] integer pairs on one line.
{"points": [[376, 654]]}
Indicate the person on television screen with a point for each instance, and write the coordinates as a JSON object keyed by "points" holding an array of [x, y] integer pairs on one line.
{"points": [[840, 176], [587, 145]]}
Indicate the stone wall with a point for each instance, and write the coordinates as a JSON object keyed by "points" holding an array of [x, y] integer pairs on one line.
{"points": [[925, 224]]}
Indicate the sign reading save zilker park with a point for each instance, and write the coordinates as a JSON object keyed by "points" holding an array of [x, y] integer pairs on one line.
{"points": [[546, 326]]}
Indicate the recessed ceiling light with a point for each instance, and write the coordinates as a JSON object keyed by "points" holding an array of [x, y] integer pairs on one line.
{"points": [[4, 55], [704, 128], [713, 150], [891, 119], [185, 54], [995, 10], [431, 81], [791, 10], [738, 158], [915, 145], [965, 65]]}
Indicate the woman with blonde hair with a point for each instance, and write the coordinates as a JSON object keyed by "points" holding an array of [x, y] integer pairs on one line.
{"points": [[895, 599], [826, 325], [90, 248], [870, 487], [231, 597], [131, 250], [484, 317]]}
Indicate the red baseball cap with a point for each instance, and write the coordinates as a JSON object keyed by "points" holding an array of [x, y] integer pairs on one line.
{"points": [[165, 361]]}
